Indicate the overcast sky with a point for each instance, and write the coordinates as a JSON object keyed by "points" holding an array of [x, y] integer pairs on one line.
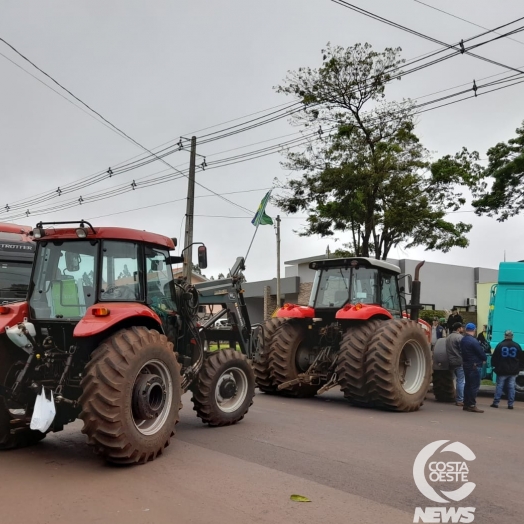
{"points": [[162, 69]]}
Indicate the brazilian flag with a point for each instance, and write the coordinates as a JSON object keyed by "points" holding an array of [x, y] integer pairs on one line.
{"points": [[260, 218]]}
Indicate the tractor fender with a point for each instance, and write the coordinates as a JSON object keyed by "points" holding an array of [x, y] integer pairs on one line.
{"points": [[362, 312], [119, 312], [295, 311], [15, 313]]}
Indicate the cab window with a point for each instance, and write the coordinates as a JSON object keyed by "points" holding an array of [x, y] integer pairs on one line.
{"points": [[120, 279]]}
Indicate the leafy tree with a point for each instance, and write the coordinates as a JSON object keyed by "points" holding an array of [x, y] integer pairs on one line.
{"points": [[504, 197], [365, 174]]}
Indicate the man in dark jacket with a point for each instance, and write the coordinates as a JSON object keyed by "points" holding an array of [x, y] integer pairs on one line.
{"points": [[455, 360], [506, 361], [473, 357], [453, 319]]}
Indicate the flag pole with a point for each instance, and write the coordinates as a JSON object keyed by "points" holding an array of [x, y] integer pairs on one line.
{"points": [[249, 248]]}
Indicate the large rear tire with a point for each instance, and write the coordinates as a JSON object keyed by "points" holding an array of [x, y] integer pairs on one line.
{"points": [[131, 396], [351, 370], [263, 378], [14, 419], [289, 342], [444, 385], [224, 388], [398, 366]]}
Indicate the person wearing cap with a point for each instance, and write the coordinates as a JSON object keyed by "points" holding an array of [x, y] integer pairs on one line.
{"points": [[454, 318], [436, 331], [506, 361], [455, 360], [473, 357]]}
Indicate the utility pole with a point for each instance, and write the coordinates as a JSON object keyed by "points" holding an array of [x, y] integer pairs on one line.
{"points": [[278, 260], [190, 209]]}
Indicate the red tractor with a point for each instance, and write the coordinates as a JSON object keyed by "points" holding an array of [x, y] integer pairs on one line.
{"points": [[115, 340], [354, 333]]}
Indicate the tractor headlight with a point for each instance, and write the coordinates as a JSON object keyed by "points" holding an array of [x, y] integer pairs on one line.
{"points": [[81, 232], [38, 232]]}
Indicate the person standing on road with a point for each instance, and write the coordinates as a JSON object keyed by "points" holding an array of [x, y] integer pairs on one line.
{"points": [[473, 357], [454, 318], [506, 361], [436, 332], [482, 338], [455, 360]]}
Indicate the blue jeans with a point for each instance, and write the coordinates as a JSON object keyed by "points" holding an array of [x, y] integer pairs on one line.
{"points": [[459, 374], [503, 381], [472, 384]]}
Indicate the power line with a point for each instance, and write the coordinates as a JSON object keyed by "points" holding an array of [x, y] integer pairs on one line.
{"points": [[456, 47], [122, 167], [465, 20], [278, 147], [125, 135]]}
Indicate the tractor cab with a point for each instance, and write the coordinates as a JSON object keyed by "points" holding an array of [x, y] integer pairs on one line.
{"points": [[78, 268], [345, 282]]}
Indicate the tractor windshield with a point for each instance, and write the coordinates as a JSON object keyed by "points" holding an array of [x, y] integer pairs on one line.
{"points": [[335, 287], [63, 281]]}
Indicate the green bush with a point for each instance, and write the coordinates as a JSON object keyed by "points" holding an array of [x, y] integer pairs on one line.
{"points": [[428, 315]]}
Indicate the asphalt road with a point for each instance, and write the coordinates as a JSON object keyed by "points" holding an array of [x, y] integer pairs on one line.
{"points": [[354, 464]]}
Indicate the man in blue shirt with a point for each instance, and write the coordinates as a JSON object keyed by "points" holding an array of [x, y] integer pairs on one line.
{"points": [[473, 357]]}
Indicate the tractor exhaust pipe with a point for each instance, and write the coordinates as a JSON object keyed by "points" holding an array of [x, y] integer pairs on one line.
{"points": [[415, 294]]}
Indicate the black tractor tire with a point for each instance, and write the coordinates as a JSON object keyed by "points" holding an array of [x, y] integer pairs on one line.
{"points": [[444, 385], [282, 359], [116, 382], [351, 370], [225, 372], [261, 365], [14, 429], [398, 366]]}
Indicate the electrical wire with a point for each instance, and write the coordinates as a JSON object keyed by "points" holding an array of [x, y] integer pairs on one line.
{"points": [[464, 20], [456, 47], [152, 157], [125, 135]]}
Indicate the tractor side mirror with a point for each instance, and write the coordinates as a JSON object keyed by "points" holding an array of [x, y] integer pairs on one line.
{"points": [[72, 261], [202, 257]]}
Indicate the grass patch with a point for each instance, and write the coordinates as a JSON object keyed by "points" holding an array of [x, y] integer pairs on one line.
{"points": [[486, 383], [214, 347]]}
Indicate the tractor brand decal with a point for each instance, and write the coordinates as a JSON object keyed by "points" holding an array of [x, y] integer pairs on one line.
{"points": [[232, 296], [430, 471], [221, 292], [8, 246]]}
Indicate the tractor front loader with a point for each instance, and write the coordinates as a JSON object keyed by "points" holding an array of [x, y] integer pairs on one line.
{"points": [[355, 333], [116, 341]]}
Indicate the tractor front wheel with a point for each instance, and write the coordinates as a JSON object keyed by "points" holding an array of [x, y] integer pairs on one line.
{"points": [[398, 366], [131, 396], [14, 418], [224, 388]]}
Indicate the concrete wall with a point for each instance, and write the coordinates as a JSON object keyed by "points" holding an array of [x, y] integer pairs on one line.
{"points": [[255, 308]]}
